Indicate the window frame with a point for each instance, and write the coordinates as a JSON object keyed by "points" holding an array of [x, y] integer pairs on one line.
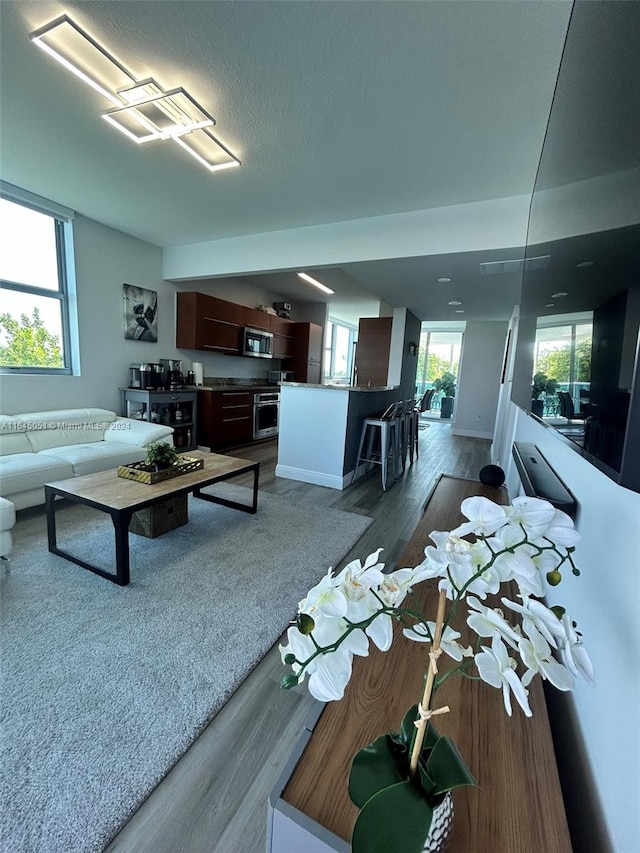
{"points": [[331, 345], [66, 292]]}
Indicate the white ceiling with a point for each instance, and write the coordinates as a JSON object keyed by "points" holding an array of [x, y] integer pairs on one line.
{"points": [[338, 110]]}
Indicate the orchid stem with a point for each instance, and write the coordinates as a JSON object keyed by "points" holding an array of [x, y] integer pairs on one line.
{"points": [[428, 687]]}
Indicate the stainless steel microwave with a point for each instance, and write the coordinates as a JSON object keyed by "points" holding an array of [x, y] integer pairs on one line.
{"points": [[257, 343]]}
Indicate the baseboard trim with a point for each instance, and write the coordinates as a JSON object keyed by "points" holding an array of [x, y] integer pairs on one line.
{"points": [[472, 433], [314, 477]]}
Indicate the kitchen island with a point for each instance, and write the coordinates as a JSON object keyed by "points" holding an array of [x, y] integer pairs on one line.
{"points": [[320, 429]]}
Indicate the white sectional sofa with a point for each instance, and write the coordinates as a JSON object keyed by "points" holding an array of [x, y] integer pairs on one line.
{"points": [[39, 447]]}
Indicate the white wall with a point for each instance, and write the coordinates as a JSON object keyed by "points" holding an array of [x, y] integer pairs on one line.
{"points": [[479, 378], [604, 601]]}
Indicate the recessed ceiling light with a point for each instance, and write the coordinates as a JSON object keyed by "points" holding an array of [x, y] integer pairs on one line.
{"points": [[549, 305], [559, 294], [455, 302], [459, 311], [444, 279], [584, 264], [315, 283]]}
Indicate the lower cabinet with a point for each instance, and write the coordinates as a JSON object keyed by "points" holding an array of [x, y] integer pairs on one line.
{"points": [[225, 418]]}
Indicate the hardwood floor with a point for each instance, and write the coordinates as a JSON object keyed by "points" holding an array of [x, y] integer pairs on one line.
{"points": [[214, 800]]}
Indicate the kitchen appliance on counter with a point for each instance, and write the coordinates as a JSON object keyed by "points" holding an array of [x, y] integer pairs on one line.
{"points": [[276, 376], [134, 376], [151, 376], [257, 343], [266, 412], [174, 378]]}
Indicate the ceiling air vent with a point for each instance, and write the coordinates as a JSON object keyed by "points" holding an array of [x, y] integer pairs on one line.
{"points": [[514, 266]]}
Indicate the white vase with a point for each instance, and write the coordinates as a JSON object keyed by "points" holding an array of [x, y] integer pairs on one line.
{"points": [[441, 826]]}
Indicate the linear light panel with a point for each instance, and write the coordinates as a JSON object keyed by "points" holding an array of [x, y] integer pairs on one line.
{"points": [[315, 283], [207, 150], [143, 110], [81, 54], [164, 116]]}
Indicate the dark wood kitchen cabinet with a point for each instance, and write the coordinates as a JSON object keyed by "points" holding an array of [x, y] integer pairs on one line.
{"points": [[307, 360], [373, 351], [284, 337], [225, 418], [206, 323], [256, 319]]}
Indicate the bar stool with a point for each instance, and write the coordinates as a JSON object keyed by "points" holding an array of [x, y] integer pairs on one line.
{"points": [[387, 426], [420, 407], [407, 416]]}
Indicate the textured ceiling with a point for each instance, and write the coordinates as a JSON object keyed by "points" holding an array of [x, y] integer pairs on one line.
{"points": [[338, 110]]}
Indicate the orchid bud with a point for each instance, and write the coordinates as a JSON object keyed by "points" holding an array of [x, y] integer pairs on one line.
{"points": [[289, 681], [289, 659], [558, 610], [554, 578], [305, 623]]}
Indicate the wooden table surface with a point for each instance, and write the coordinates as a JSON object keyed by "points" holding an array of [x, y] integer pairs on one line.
{"points": [[110, 490], [518, 806]]}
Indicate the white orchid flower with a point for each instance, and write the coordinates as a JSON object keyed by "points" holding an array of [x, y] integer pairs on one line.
{"points": [[573, 653], [561, 530], [381, 632], [365, 574], [537, 617], [330, 676], [485, 517], [397, 585], [449, 548], [324, 598], [496, 668], [448, 642], [533, 514], [537, 656], [486, 622], [299, 645]]}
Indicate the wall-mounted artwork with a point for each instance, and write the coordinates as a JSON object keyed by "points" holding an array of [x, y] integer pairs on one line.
{"points": [[140, 314]]}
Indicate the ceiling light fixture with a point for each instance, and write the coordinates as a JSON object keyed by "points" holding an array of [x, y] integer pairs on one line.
{"points": [[455, 302], [549, 305], [584, 265], [315, 283], [459, 311], [444, 280], [143, 111], [559, 294]]}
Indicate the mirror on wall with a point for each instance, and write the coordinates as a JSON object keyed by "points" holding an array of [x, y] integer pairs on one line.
{"points": [[576, 364]]}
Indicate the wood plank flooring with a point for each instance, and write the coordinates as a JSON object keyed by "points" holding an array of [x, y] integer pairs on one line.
{"points": [[214, 800]]}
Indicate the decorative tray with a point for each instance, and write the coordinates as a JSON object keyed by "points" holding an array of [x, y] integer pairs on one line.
{"points": [[139, 472]]}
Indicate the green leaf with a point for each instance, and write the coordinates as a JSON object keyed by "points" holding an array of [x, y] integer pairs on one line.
{"points": [[395, 820], [427, 783], [407, 728], [447, 768], [373, 768]]}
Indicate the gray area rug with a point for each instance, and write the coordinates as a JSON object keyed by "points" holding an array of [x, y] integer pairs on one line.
{"points": [[105, 687]]}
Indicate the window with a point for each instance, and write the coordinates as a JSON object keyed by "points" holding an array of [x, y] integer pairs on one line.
{"points": [[339, 352], [36, 278], [563, 353]]}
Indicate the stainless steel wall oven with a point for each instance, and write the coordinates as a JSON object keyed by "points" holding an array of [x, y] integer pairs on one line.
{"points": [[266, 412]]}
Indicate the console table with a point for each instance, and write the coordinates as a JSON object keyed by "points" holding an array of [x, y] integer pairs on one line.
{"points": [[518, 805]]}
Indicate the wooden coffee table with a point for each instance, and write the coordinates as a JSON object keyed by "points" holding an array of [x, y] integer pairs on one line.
{"points": [[121, 498]]}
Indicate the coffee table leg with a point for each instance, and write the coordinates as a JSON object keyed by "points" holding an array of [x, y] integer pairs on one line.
{"points": [[121, 527], [50, 504]]}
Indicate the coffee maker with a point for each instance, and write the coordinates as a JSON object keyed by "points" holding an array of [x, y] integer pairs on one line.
{"points": [[174, 377]]}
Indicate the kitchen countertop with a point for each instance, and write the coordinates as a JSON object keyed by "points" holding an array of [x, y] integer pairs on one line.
{"points": [[339, 387]]}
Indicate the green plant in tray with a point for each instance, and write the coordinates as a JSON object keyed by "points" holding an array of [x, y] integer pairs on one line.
{"points": [[161, 455]]}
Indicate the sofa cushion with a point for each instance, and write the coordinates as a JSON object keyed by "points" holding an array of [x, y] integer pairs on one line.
{"points": [[14, 442], [66, 427], [139, 433], [97, 456], [22, 471], [7, 514], [12, 435]]}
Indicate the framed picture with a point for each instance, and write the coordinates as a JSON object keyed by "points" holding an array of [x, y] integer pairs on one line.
{"points": [[140, 313]]}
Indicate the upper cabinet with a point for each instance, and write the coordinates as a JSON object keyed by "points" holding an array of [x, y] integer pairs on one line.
{"points": [[307, 359], [256, 319], [207, 323], [284, 337]]}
